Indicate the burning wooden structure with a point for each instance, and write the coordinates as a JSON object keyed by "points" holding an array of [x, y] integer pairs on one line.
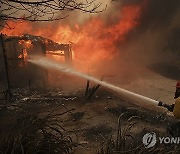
{"points": [[14, 53], [21, 46]]}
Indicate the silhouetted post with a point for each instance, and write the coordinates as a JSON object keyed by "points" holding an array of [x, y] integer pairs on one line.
{"points": [[6, 68]]}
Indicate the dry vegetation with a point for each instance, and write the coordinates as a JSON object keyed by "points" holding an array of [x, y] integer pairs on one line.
{"points": [[53, 121], [125, 143], [34, 134]]}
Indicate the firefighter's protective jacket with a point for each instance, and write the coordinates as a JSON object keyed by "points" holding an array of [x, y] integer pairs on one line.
{"points": [[176, 110]]}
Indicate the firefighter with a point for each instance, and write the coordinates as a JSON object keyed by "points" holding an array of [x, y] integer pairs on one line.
{"points": [[174, 129]]}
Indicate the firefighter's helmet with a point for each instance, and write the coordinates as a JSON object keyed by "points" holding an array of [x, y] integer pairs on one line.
{"points": [[178, 84]]}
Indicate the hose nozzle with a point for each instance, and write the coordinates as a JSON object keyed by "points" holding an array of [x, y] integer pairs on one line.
{"points": [[160, 103]]}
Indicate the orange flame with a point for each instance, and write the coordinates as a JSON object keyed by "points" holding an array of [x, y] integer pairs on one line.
{"points": [[17, 28], [94, 41], [27, 44]]}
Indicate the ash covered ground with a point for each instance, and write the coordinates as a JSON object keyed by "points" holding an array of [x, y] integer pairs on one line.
{"points": [[92, 122]]}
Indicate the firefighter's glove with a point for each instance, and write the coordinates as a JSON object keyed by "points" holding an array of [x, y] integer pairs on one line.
{"points": [[160, 103]]}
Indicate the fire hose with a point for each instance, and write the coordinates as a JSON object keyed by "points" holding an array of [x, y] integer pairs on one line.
{"points": [[128, 95]]}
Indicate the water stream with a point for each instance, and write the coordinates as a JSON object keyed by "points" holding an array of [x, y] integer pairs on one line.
{"points": [[128, 95]]}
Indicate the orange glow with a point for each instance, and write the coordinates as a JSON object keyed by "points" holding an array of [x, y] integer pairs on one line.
{"points": [[93, 41], [46, 41], [27, 44], [20, 56], [56, 55], [73, 55], [17, 28], [58, 52], [24, 55]]}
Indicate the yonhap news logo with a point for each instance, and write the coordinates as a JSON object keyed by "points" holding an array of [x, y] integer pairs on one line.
{"points": [[150, 140]]}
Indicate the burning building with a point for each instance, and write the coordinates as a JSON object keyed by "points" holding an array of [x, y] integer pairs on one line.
{"points": [[16, 50]]}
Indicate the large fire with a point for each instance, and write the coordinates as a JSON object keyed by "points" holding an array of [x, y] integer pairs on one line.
{"points": [[93, 42]]}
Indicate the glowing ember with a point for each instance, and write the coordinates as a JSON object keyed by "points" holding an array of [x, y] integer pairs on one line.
{"points": [[24, 55], [20, 56], [27, 44]]}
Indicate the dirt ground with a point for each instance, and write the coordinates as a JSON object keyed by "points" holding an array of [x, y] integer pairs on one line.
{"points": [[92, 122]]}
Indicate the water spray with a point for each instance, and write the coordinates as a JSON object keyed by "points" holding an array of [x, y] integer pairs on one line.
{"points": [[128, 95]]}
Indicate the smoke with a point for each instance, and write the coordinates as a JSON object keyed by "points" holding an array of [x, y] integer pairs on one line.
{"points": [[127, 35], [158, 31], [154, 40], [151, 44]]}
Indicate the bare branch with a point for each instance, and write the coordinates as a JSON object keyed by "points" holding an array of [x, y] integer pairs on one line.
{"points": [[44, 10], [35, 2]]}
